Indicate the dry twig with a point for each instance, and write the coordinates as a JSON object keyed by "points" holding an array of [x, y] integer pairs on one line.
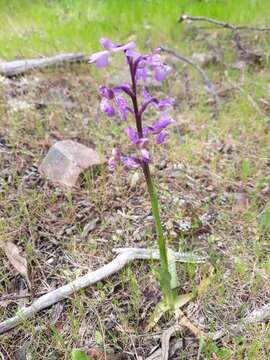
{"points": [[18, 67], [123, 258], [222, 24], [201, 72]]}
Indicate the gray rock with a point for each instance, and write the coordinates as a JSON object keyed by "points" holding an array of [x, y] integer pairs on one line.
{"points": [[66, 160]]}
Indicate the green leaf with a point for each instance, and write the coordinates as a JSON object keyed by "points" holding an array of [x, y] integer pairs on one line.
{"points": [[162, 307], [265, 222], [79, 355], [183, 299], [245, 169], [98, 337]]}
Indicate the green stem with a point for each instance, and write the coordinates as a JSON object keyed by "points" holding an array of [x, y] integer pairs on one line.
{"points": [[164, 274]]}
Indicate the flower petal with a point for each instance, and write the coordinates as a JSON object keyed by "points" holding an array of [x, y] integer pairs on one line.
{"points": [[106, 43], [160, 72], [161, 124], [122, 106], [128, 46], [106, 92], [130, 162], [132, 134], [165, 103], [161, 137], [133, 54], [100, 58], [145, 156]]}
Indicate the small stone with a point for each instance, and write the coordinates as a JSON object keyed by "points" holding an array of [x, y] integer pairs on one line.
{"points": [[66, 160]]}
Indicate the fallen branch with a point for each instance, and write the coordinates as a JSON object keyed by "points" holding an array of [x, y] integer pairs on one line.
{"points": [[18, 67], [202, 73], [123, 258], [222, 24], [256, 316]]}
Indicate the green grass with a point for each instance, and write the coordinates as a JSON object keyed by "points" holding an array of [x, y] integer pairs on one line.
{"points": [[36, 28]]}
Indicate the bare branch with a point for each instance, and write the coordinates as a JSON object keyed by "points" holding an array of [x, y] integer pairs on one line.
{"points": [[222, 24], [203, 75], [54, 296], [18, 67]]}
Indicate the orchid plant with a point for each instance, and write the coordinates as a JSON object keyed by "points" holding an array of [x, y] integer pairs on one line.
{"points": [[123, 100]]}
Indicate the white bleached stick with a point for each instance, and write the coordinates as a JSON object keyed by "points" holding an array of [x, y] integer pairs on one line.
{"points": [[124, 257]]}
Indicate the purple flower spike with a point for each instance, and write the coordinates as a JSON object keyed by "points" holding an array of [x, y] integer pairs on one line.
{"points": [[161, 137], [106, 107]]}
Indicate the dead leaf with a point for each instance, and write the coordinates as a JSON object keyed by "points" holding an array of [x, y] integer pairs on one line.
{"points": [[18, 261]]}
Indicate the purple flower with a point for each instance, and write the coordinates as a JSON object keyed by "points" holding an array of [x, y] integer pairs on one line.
{"points": [[146, 94], [122, 106], [161, 124], [130, 162], [135, 139], [101, 58], [160, 69], [106, 107], [161, 105], [161, 72], [165, 104]]}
